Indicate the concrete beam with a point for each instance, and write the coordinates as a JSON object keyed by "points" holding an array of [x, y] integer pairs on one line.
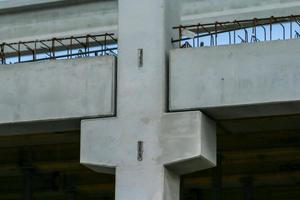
{"points": [[57, 90], [32, 19], [59, 21], [248, 80], [207, 11]]}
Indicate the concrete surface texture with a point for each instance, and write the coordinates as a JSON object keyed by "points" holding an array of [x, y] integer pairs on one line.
{"points": [[57, 90], [146, 148], [32, 19], [251, 79]]}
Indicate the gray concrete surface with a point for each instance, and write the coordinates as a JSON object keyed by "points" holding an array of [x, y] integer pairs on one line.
{"points": [[57, 90], [247, 80], [32, 19], [173, 144]]}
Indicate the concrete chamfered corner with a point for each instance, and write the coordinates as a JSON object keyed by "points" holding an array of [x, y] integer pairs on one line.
{"points": [[189, 140]]}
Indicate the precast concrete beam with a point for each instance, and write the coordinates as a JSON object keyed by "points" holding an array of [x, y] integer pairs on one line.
{"points": [[246, 80], [57, 90], [33, 19], [209, 11]]}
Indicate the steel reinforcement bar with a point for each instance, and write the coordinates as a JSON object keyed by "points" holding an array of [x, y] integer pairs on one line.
{"points": [[243, 31], [58, 48]]}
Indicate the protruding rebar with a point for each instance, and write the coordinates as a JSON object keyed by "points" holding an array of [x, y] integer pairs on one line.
{"points": [[58, 48], [213, 31]]}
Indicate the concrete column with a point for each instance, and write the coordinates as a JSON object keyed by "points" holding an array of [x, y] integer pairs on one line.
{"points": [[146, 148], [144, 43], [144, 25]]}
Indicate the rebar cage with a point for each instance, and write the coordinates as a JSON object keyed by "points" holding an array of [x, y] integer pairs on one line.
{"points": [[235, 32], [58, 48]]}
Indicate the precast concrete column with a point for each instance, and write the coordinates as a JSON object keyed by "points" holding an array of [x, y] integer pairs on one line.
{"points": [[145, 31], [145, 147]]}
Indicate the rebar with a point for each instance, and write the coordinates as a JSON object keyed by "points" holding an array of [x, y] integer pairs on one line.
{"points": [[237, 31], [58, 48]]}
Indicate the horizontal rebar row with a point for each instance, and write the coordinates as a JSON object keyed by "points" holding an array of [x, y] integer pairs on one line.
{"points": [[58, 48], [243, 31]]}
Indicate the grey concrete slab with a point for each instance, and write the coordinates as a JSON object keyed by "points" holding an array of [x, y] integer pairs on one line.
{"points": [[247, 80], [57, 90]]}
